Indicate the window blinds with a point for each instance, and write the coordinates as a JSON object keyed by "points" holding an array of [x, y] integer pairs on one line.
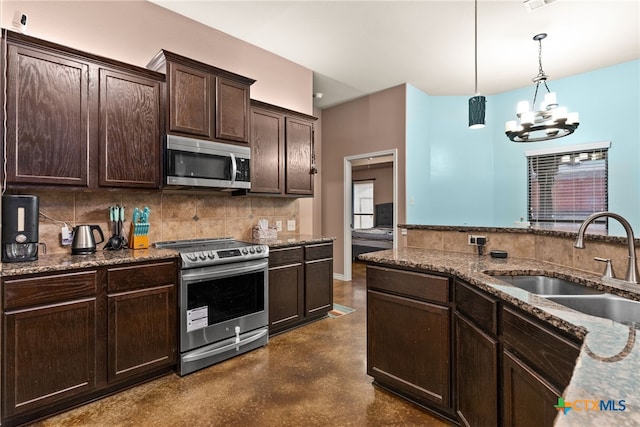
{"points": [[566, 187]]}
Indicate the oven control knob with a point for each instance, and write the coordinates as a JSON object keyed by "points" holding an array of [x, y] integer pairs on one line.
{"points": [[259, 249], [245, 251], [251, 250], [202, 256], [211, 255], [192, 257]]}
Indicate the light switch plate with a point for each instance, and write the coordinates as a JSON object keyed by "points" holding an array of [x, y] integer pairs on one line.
{"points": [[279, 225], [291, 225]]}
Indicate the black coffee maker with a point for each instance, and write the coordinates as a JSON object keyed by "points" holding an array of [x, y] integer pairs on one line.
{"points": [[20, 228]]}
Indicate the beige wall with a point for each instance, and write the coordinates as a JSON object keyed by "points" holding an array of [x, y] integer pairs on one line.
{"points": [[134, 31], [382, 177], [373, 123]]}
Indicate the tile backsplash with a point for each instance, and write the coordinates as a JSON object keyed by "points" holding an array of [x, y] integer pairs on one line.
{"points": [[556, 250], [173, 215]]}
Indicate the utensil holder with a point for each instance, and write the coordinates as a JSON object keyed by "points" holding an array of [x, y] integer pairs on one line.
{"points": [[138, 241]]}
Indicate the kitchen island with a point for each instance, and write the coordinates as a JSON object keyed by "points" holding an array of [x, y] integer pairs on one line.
{"points": [[607, 367]]}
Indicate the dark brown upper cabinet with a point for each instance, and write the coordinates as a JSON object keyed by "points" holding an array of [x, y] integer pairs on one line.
{"points": [[204, 101], [282, 150], [79, 120], [130, 138]]}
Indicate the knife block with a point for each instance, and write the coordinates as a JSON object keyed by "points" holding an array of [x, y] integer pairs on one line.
{"points": [[140, 241]]}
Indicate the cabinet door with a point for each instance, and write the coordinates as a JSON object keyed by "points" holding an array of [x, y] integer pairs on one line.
{"points": [[528, 399], [408, 346], [142, 331], [298, 151], [232, 110], [286, 296], [476, 375], [190, 94], [50, 354], [47, 118], [319, 287], [129, 130], [267, 156]]}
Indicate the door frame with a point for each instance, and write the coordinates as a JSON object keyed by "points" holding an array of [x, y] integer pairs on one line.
{"points": [[346, 223]]}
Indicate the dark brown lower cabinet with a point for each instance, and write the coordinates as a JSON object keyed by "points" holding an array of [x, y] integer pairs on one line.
{"points": [[509, 367], [528, 399], [408, 346], [49, 340], [286, 288], [477, 355], [50, 355], [141, 335], [66, 340], [409, 336], [300, 285]]}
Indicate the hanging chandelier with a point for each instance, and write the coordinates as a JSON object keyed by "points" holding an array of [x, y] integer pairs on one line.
{"points": [[550, 121]]}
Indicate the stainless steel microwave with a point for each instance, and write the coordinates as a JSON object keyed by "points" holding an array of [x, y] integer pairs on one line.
{"points": [[197, 163]]}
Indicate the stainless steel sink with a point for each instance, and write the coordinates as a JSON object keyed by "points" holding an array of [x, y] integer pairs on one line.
{"points": [[545, 285], [608, 306]]}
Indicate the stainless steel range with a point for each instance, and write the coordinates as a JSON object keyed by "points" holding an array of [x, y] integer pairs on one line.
{"points": [[223, 299]]}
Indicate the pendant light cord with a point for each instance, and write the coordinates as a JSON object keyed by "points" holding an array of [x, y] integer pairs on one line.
{"points": [[476, 46]]}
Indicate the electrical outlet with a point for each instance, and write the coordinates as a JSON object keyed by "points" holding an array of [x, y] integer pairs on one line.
{"points": [[291, 225], [475, 240], [279, 225]]}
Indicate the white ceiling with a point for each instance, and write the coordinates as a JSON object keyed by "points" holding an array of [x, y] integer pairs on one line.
{"points": [[359, 47]]}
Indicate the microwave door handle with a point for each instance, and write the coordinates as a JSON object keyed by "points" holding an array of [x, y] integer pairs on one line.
{"points": [[234, 168]]}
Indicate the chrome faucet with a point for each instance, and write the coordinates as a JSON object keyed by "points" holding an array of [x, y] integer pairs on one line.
{"points": [[632, 267]]}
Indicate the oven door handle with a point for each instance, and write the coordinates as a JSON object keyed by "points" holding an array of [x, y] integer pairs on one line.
{"points": [[208, 351], [225, 270]]}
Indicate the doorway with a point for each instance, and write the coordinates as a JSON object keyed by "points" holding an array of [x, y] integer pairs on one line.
{"points": [[349, 163]]}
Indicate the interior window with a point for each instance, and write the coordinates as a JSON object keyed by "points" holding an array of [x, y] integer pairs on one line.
{"points": [[564, 188], [363, 204]]}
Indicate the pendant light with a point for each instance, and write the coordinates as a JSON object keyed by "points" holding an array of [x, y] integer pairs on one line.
{"points": [[550, 121], [476, 103]]}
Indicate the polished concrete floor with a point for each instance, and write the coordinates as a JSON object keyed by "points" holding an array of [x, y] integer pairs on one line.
{"points": [[311, 376]]}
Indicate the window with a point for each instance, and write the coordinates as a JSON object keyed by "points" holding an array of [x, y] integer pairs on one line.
{"points": [[566, 187], [363, 204]]}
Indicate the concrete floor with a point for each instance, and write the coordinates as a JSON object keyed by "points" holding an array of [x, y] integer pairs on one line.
{"points": [[311, 376]]}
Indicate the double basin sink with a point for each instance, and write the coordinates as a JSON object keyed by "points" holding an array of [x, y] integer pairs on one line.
{"points": [[578, 297]]}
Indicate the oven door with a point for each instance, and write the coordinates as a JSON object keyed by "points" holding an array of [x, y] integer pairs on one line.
{"points": [[223, 301]]}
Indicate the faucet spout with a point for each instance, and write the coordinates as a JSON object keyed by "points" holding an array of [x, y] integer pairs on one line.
{"points": [[632, 267]]}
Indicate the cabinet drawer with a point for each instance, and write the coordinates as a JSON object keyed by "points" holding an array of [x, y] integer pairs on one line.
{"points": [[409, 283], [285, 256], [320, 251], [549, 354], [477, 306], [141, 276], [49, 289]]}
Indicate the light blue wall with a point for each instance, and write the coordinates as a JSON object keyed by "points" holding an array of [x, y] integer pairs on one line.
{"points": [[478, 177], [450, 175]]}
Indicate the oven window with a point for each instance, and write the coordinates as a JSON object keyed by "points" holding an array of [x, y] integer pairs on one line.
{"points": [[228, 297]]}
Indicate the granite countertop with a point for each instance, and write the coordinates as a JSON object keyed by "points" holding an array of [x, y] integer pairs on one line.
{"points": [[608, 367], [59, 262], [293, 240]]}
